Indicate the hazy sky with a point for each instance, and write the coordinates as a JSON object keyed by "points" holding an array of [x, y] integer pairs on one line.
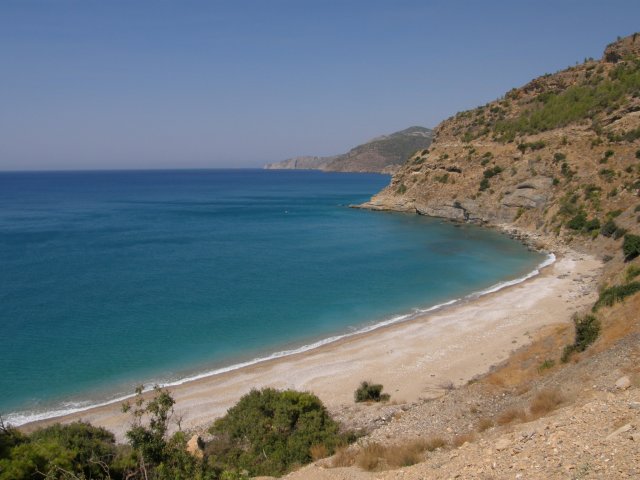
{"points": [[156, 84]]}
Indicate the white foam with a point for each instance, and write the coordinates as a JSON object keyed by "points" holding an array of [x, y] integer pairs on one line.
{"points": [[20, 418]]}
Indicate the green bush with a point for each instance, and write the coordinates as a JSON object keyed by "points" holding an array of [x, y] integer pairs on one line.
{"points": [[631, 246], [607, 174], [269, 431], [77, 448], [587, 331], [615, 294], [492, 172], [632, 272], [484, 184], [369, 392], [592, 225], [578, 222], [609, 228]]}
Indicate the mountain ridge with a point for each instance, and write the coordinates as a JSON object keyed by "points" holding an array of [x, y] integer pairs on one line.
{"points": [[381, 154]]}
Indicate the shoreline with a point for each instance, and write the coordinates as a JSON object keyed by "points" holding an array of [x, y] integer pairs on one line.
{"points": [[26, 418], [333, 369]]}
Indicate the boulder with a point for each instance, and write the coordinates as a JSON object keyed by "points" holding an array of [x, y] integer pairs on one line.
{"points": [[195, 446], [623, 383]]}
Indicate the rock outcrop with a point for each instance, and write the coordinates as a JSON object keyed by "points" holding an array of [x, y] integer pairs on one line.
{"points": [[563, 147]]}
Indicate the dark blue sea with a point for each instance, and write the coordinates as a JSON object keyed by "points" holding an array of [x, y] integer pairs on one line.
{"points": [[109, 280]]}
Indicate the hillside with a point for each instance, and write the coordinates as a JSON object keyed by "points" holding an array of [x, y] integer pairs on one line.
{"points": [[384, 154], [559, 156]]}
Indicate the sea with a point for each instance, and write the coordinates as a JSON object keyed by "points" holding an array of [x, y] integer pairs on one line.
{"points": [[114, 279]]}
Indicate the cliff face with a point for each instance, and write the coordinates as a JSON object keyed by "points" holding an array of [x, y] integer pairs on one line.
{"points": [[383, 154], [560, 155]]}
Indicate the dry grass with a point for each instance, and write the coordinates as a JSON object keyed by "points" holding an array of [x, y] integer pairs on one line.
{"points": [[484, 424], [368, 458], [463, 438], [617, 322], [344, 457], [545, 401], [318, 451], [433, 443], [622, 421], [522, 367], [510, 415], [379, 457]]}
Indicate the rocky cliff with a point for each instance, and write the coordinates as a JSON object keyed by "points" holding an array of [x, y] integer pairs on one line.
{"points": [[559, 155], [384, 154]]}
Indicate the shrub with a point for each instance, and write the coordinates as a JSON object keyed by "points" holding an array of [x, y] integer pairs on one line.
{"points": [[607, 174], [401, 189], [578, 222], [631, 246], [369, 392], [484, 184], [615, 294], [619, 233], [632, 272], [373, 456], [510, 415], [545, 402], [592, 225], [546, 365], [638, 154], [484, 424], [608, 154], [76, 448], [587, 331], [609, 228], [559, 157], [492, 172], [269, 431]]}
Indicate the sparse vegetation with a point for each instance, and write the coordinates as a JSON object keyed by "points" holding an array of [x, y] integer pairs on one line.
{"points": [[617, 293], [545, 401], [546, 365], [632, 272], [552, 110]]}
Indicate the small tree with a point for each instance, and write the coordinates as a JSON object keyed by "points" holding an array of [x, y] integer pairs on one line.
{"points": [[149, 441]]}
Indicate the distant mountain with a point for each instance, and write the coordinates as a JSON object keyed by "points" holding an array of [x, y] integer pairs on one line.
{"points": [[384, 154]]}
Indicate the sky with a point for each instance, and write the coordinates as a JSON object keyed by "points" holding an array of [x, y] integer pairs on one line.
{"points": [[111, 84]]}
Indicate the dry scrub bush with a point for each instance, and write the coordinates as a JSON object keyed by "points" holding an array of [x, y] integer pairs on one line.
{"points": [[318, 451], [510, 415], [463, 438], [376, 457], [484, 424], [344, 457], [545, 402], [433, 443], [369, 456]]}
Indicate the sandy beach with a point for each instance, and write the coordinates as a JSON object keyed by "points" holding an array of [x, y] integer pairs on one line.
{"points": [[415, 359]]}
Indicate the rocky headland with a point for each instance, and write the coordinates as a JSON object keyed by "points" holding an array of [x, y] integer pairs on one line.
{"points": [[384, 154]]}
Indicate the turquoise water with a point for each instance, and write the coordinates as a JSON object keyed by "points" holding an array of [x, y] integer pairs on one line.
{"points": [[113, 279]]}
